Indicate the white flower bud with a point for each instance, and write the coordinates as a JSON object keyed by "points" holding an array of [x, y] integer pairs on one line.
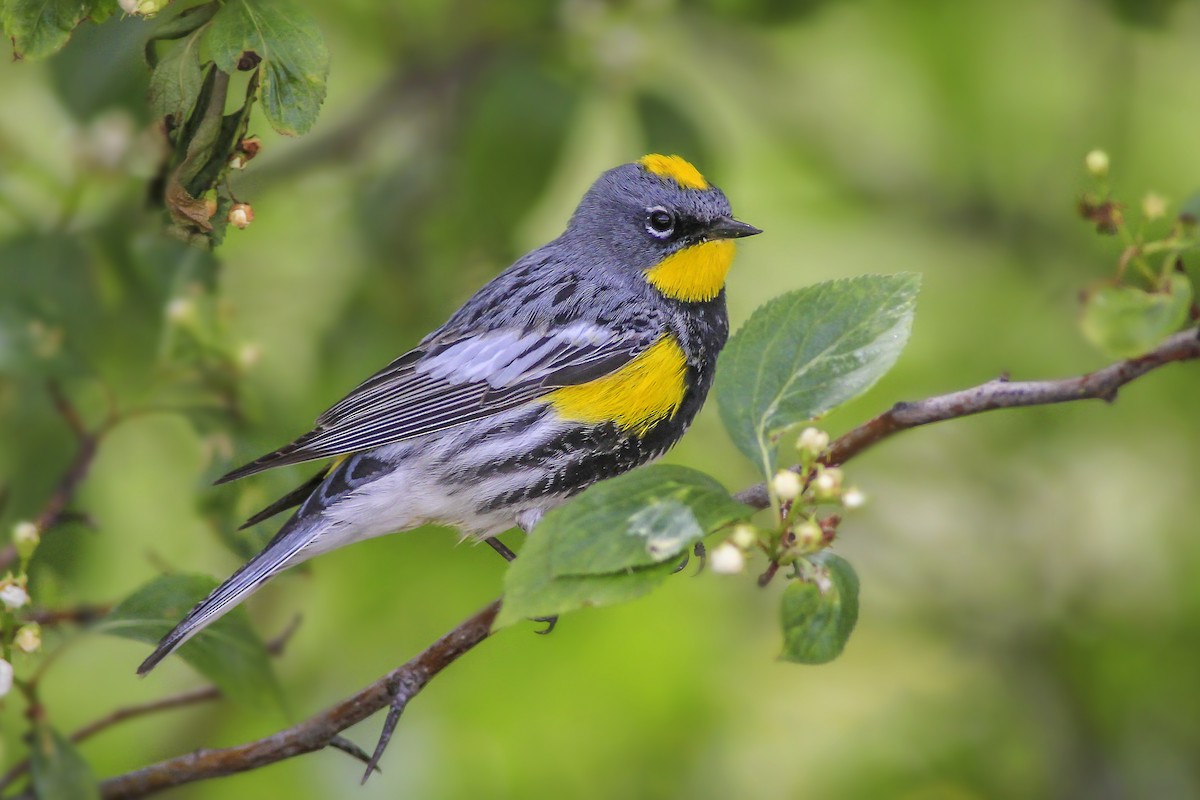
{"points": [[808, 536], [6, 677], [241, 215], [29, 638], [812, 442], [180, 310], [744, 536], [853, 498], [25, 538], [828, 483], [727, 559], [1097, 163], [248, 355], [1154, 206], [13, 596], [787, 485], [143, 8]]}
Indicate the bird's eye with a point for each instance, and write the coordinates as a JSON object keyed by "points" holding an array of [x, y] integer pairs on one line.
{"points": [[660, 223]]}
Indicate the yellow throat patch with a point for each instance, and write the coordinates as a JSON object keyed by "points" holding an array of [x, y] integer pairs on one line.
{"points": [[636, 397], [694, 274], [677, 169]]}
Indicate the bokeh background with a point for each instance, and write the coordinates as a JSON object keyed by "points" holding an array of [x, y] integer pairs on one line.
{"points": [[1030, 622]]}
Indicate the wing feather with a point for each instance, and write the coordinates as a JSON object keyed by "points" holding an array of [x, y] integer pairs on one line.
{"points": [[445, 384]]}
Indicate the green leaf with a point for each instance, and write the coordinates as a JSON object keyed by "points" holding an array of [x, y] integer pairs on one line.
{"points": [[1125, 321], [801, 354], [176, 80], [39, 28], [639, 519], [532, 590], [59, 771], [616, 541], [183, 24], [818, 612], [228, 651], [295, 61]]}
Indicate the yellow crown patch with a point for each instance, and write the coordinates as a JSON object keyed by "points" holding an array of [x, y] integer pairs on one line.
{"points": [[677, 169]]}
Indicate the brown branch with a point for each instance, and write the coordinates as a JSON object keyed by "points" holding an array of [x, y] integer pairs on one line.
{"points": [[399, 686], [55, 509], [394, 689], [275, 647], [1103, 384], [79, 615]]}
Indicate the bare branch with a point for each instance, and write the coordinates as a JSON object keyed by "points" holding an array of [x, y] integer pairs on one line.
{"points": [[55, 509], [79, 615], [1103, 384], [399, 686], [86, 614]]}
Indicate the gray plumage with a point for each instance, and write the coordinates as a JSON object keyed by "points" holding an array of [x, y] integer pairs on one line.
{"points": [[460, 431]]}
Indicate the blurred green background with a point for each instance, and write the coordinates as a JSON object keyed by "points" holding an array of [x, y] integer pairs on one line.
{"points": [[1030, 621]]}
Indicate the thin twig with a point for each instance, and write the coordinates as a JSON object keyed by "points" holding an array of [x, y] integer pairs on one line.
{"points": [[180, 700], [55, 509], [1103, 384], [79, 615], [274, 647], [396, 689], [319, 731]]}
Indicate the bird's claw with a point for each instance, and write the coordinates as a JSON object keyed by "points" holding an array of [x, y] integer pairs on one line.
{"points": [[550, 623], [700, 554]]}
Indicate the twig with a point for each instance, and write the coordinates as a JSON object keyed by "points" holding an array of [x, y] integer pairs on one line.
{"points": [[399, 686], [80, 615], [180, 700], [1103, 384], [274, 647], [55, 509]]}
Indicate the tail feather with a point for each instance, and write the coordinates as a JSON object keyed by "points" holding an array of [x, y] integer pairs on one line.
{"points": [[281, 553]]}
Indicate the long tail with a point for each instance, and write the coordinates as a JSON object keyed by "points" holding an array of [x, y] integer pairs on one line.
{"points": [[282, 552]]}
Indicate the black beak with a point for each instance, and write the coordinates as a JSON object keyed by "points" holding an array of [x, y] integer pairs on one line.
{"points": [[730, 228]]}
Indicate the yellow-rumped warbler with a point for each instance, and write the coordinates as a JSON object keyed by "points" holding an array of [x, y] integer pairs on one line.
{"points": [[584, 359]]}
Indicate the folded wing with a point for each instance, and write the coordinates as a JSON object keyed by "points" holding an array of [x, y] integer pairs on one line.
{"points": [[445, 383]]}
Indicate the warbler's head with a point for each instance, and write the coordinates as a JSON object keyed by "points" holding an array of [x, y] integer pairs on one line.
{"points": [[659, 215]]}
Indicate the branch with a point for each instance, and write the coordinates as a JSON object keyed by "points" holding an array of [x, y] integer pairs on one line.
{"points": [[55, 509], [1103, 384], [394, 689], [402, 684], [275, 647]]}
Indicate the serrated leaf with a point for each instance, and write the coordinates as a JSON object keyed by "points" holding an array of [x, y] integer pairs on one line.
{"points": [[295, 60], [1125, 321], [808, 351], [532, 590], [818, 615], [228, 652], [176, 80], [39, 28], [58, 770], [615, 542], [639, 519], [185, 23]]}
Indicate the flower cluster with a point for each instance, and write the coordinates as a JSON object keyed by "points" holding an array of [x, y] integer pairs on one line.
{"points": [[797, 496]]}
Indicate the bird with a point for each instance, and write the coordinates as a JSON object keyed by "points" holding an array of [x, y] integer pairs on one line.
{"points": [[584, 359]]}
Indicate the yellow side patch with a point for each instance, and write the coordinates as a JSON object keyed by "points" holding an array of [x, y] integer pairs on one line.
{"points": [[676, 168], [640, 394], [694, 274]]}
